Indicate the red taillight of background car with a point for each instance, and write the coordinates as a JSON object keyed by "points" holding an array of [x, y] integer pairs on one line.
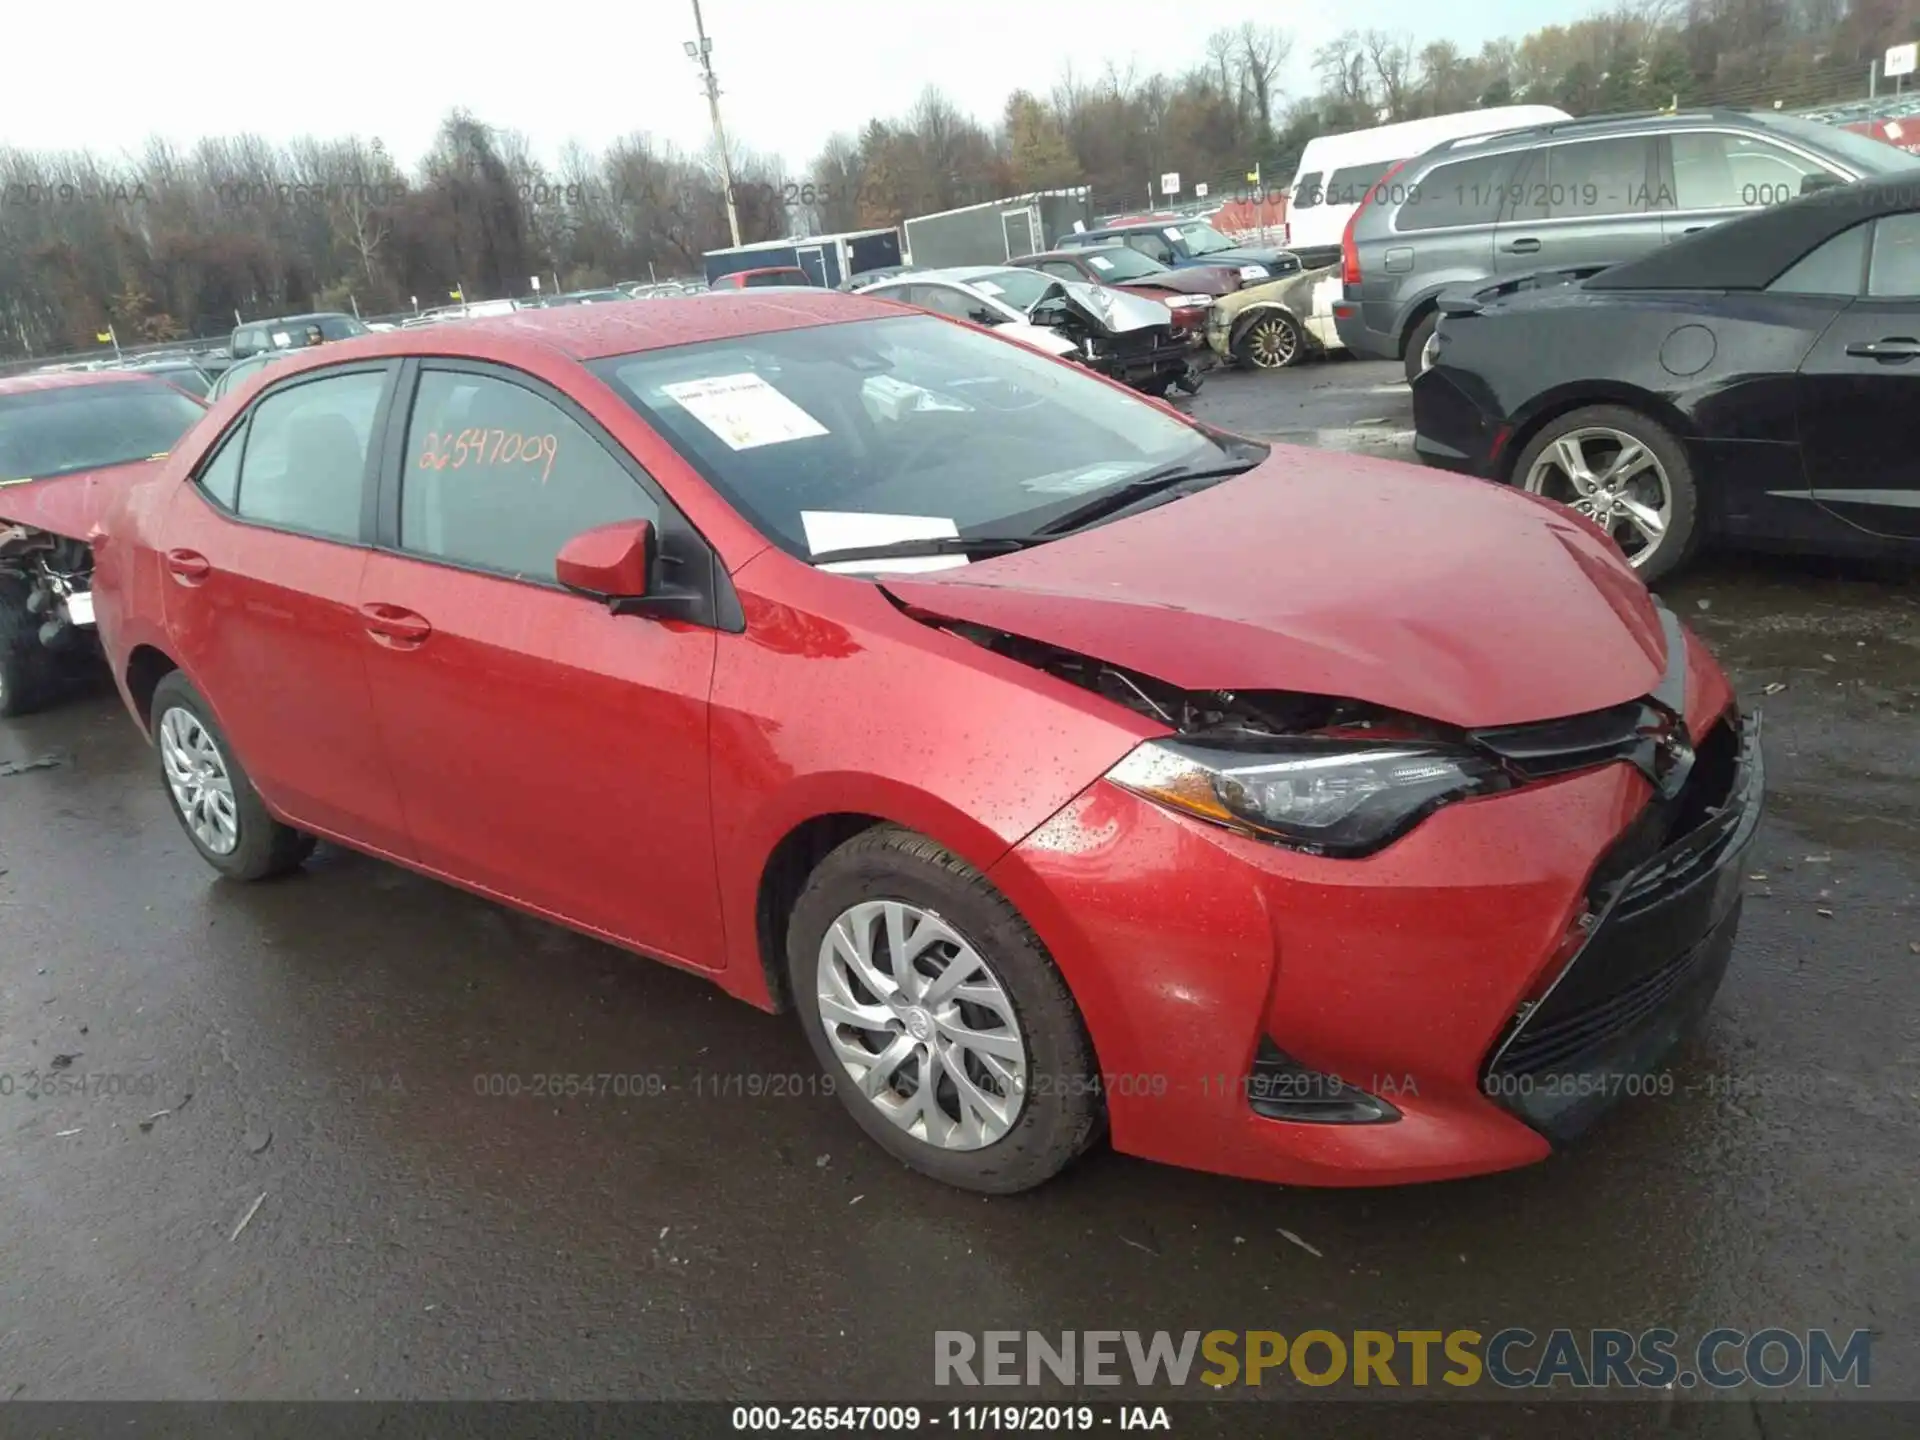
{"points": [[1350, 252]]}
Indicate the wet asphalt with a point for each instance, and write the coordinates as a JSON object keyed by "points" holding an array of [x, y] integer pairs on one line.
{"points": [[275, 1170]]}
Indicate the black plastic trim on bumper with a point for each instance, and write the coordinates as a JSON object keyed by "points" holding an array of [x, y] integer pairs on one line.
{"points": [[1648, 969]]}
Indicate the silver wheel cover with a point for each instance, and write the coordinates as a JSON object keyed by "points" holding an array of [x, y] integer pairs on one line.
{"points": [[198, 780], [1612, 479], [921, 1025], [1271, 343]]}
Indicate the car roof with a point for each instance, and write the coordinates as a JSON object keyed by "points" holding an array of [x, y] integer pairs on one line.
{"points": [[61, 380], [1631, 120], [1078, 252], [1751, 252], [594, 332]]}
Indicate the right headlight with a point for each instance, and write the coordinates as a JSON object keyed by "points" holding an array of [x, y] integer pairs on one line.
{"points": [[1325, 796]]}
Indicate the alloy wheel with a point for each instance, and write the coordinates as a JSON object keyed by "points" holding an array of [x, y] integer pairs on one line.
{"points": [[921, 1024], [1272, 343], [198, 778], [1614, 480]]}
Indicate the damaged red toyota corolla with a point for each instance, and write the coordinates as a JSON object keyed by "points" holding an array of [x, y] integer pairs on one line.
{"points": [[1063, 765]]}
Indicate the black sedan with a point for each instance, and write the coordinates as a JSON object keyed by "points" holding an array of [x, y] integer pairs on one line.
{"points": [[1748, 384]]}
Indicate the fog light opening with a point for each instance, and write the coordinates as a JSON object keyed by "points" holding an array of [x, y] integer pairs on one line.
{"points": [[1281, 1088]]}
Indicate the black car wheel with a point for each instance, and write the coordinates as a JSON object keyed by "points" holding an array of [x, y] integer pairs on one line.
{"points": [[1628, 474], [1419, 338], [1269, 341], [939, 1016]]}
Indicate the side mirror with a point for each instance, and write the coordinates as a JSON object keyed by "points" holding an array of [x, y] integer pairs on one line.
{"points": [[983, 316], [1817, 181], [610, 562]]}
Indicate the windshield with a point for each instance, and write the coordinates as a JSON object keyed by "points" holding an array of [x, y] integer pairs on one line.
{"points": [[1021, 289], [1202, 238], [1123, 262], [44, 433], [932, 427], [1858, 152]]}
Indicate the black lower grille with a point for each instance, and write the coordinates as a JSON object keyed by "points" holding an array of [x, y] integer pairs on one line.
{"points": [[1665, 903]]}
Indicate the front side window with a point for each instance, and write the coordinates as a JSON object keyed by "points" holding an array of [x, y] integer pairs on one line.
{"points": [[305, 465], [1153, 246], [898, 417], [1895, 272], [1722, 170], [1350, 186], [67, 429], [1306, 192], [500, 478]]}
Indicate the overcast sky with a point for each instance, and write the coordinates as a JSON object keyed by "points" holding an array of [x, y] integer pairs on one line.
{"points": [[104, 74]]}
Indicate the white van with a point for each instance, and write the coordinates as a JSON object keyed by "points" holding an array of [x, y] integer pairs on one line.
{"points": [[1336, 170]]}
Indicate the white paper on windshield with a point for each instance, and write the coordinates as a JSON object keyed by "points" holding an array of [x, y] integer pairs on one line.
{"points": [[1172, 232], [987, 287], [1074, 481], [893, 397], [1100, 262], [1893, 130], [855, 530], [744, 410], [281, 339]]}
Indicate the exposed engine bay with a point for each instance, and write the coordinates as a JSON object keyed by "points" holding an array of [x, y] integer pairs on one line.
{"points": [[1125, 337], [46, 611]]}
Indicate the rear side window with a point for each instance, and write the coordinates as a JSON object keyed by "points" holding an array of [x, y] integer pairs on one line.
{"points": [[1350, 186], [1588, 179], [1833, 268], [1464, 192], [1306, 192], [306, 460], [499, 478], [1895, 274]]}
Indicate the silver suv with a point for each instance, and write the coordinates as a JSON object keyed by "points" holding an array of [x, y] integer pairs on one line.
{"points": [[1587, 192]]}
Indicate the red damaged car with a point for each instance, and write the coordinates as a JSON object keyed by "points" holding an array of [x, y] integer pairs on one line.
{"points": [[69, 441], [1065, 766]]}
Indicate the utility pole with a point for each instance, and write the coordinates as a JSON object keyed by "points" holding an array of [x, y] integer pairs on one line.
{"points": [[701, 53]]}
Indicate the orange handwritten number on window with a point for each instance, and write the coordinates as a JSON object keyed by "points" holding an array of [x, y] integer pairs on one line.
{"points": [[508, 447]]}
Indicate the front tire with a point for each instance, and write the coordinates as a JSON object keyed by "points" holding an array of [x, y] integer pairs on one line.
{"points": [[1271, 340], [211, 796], [949, 1035], [1626, 472]]}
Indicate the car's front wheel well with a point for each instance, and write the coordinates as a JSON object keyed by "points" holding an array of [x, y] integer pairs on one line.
{"points": [[787, 871], [146, 668], [1524, 433]]}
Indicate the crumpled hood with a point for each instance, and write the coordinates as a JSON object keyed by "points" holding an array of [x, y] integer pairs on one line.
{"points": [[1453, 599], [69, 505], [1112, 310]]}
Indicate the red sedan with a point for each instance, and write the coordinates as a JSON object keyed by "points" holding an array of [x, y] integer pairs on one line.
{"points": [[1064, 765]]}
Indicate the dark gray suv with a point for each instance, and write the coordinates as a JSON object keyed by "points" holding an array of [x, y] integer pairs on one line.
{"points": [[1587, 192]]}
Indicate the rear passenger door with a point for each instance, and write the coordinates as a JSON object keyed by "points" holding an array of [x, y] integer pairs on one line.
{"points": [[1582, 202], [264, 551]]}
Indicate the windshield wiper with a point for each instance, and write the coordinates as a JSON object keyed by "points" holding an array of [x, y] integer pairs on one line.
{"points": [[1121, 497], [935, 545]]}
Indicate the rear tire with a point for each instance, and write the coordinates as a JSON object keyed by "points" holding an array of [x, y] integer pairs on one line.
{"points": [[1681, 534], [26, 666], [1014, 1000], [226, 820], [1414, 360]]}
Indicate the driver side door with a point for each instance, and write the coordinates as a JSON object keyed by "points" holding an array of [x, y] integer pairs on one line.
{"points": [[547, 750]]}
